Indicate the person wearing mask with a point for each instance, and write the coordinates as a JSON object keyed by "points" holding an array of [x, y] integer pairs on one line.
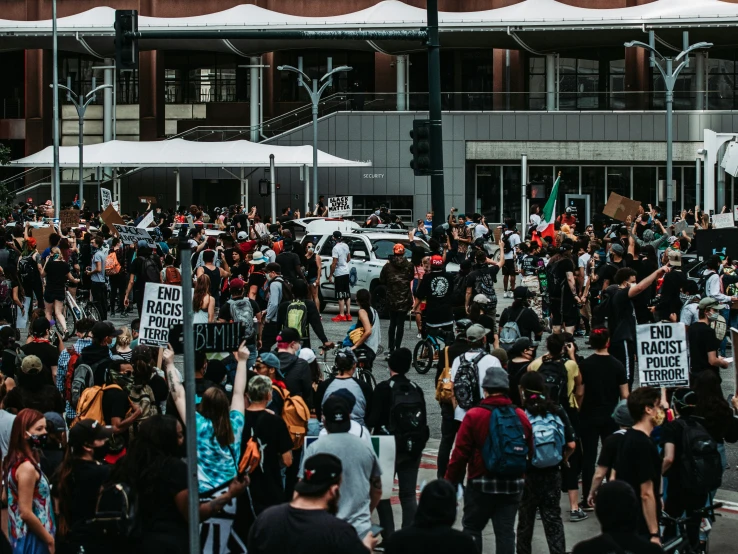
{"points": [[144, 269], [345, 366], [39, 345], [241, 309], [310, 317], [278, 292], [56, 273], [703, 344], [340, 270], [528, 322], [308, 522], [520, 355], [397, 276], [98, 355], [368, 320], [31, 526], [268, 365], [96, 273], [690, 297], [33, 389]]}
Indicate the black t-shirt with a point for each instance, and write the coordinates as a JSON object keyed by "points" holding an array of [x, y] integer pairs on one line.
{"points": [[286, 529], [47, 353], [609, 452], [159, 387], [606, 272], [115, 403], [289, 262], [86, 480], [488, 274], [516, 370], [258, 279], [562, 267], [638, 462], [164, 528], [617, 543], [602, 377], [671, 432], [437, 288], [623, 323], [702, 341], [527, 321], [530, 265], [422, 540], [56, 277], [139, 268], [266, 480]]}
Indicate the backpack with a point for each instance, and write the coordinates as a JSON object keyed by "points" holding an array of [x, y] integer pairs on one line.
{"points": [[506, 241], [243, 313], [604, 312], [112, 265], [90, 405], [485, 284], [19, 355], [555, 282], [82, 379], [407, 418], [444, 387], [548, 440], [149, 271], [510, 332], [26, 267], [505, 451], [295, 414], [699, 459], [251, 457], [6, 293], [702, 283], [69, 377], [142, 396], [466, 381], [556, 377], [116, 513], [172, 276], [297, 317]]}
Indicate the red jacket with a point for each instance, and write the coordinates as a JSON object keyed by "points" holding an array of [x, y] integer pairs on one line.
{"points": [[472, 436]]}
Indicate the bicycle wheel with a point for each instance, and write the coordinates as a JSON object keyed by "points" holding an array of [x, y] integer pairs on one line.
{"points": [[423, 356], [92, 312], [367, 377]]}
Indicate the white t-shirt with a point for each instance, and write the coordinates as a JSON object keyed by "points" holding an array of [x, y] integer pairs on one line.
{"points": [[341, 253], [479, 231], [514, 240], [583, 261], [484, 364], [535, 220]]}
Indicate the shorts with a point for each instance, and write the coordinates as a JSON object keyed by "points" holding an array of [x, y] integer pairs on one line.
{"points": [[343, 287], [568, 315], [509, 268], [50, 297]]}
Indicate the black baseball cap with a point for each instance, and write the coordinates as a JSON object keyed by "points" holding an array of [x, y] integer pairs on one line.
{"points": [[337, 234], [523, 292], [87, 431], [104, 329], [40, 325], [320, 473], [288, 334], [337, 414]]}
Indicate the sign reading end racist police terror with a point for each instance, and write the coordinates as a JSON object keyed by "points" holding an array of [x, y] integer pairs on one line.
{"points": [[663, 359], [162, 308]]}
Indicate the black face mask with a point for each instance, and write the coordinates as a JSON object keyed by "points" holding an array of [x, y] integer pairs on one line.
{"points": [[37, 441], [99, 452]]}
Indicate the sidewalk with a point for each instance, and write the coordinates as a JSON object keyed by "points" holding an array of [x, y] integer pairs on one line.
{"points": [[721, 539]]}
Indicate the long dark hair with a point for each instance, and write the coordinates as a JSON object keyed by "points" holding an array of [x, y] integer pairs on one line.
{"points": [[202, 289], [63, 489], [18, 447], [215, 407], [535, 395], [711, 405], [364, 300]]}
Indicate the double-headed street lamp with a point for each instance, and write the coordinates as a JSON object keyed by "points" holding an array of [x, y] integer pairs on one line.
{"points": [[315, 94], [670, 74]]}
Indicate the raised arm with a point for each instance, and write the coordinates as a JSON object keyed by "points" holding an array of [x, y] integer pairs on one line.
{"points": [[239, 384], [176, 390]]}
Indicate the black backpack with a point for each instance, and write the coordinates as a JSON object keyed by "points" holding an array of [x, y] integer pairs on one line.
{"points": [[116, 514], [556, 378], [466, 381], [603, 314], [408, 421], [702, 283], [700, 462], [150, 272], [555, 282], [506, 241]]}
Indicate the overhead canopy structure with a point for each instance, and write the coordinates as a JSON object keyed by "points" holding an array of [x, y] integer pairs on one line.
{"points": [[183, 153], [538, 23]]}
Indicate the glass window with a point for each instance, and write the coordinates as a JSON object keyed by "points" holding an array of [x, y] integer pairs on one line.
{"points": [[616, 84], [644, 185], [476, 79], [677, 198], [78, 70], [536, 83], [511, 186], [689, 183], [593, 183], [721, 81], [618, 181], [383, 249], [569, 180], [194, 78], [538, 174], [684, 95], [488, 192]]}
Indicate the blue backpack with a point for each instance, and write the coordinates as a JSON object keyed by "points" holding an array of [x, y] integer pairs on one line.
{"points": [[505, 452], [548, 440]]}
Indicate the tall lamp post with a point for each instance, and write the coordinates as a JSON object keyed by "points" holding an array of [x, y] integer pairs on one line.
{"points": [[315, 93], [80, 102], [56, 185], [670, 74]]}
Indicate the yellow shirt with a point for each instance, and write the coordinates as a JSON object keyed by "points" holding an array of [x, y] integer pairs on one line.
{"points": [[572, 371]]}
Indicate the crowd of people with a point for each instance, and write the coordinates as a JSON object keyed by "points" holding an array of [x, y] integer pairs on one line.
{"points": [[92, 422]]}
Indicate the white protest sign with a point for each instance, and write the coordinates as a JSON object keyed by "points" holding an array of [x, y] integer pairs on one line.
{"points": [[663, 358], [384, 448], [146, 221], [116, 206], [162, 308], [340, 206], [105, 198], [131, 235], [721, 221]]}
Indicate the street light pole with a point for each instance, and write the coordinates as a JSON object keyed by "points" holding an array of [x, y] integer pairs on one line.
{"points": [[314, 93], [670, 74], [56, 185]]}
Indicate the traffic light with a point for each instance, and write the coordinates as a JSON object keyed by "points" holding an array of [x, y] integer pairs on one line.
{"points": [[421, 147], [126, 47]]}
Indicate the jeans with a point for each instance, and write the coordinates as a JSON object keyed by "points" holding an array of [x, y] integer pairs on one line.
{"points": [[291, 475], [543, 493], [449, 428], [480, 507], [591, 433], [396, 329], [99, 297], [407, 479], [724, 343]]}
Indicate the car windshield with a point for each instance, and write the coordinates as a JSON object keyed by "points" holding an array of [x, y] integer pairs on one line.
{"points": [[384, 248]]}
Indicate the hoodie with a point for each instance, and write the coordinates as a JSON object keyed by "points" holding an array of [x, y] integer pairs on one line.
{"points": [[297, 376], [397, 275]]}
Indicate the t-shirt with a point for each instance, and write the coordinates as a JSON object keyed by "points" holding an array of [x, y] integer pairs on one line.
{"points": [[164, 528], [139, 268], [270, 433], [609, 452], [623, 323], [515, 371], [289, 262], [486, 275], [56, 277], [638, 462], [341, 253], [46, 352], [483, 365], [671, 432], [513, 239], [437, 288], [702, 340], [602, 377], [479, 231], [360, 465], [530, 265], [6, 424], [563, 266], [606, 272], [216, 464], [258, 279], [690, 313], [224, 313], [100, 256], [283, 528], [361, 391], [115, 403], [87, 478], [527, 321]]}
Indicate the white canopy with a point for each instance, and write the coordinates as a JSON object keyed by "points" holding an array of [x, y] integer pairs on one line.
{"points": [[184, 153]]}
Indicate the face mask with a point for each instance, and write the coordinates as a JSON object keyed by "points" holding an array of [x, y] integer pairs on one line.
{"points": [[37, 441], [684, 297], [659, 417], [713, 316], [311, 250], [99, 452], [269, 278]]}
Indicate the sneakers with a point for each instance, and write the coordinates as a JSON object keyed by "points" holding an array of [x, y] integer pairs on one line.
{"points": [[348, 317], [338, 318], [577, 515], [585, 507]]}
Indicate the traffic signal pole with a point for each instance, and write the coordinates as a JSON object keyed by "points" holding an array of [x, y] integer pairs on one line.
{"points": [[434, 114]]}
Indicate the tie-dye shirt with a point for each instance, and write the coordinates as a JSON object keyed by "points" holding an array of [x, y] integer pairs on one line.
{"points": [[216, 465]]}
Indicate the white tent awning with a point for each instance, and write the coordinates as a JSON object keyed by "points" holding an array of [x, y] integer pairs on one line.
{"points": [[184, 153]]}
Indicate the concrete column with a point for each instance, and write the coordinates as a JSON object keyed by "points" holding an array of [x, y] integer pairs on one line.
{"points": [[400, 66], [699, 81], [551, 82], [254, 97]]}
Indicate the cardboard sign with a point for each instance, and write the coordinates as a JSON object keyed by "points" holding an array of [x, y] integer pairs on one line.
{"points": [[722, 221], [162, 308], [42, 234], [146, 221], [106, 197], [384, 448], [717, 241], [116, 206], [680, 226], [69, 218], [620, 207], [210, 337], [111, 217], [131, 235], [147, 199], [663, 359], [340, 206]]}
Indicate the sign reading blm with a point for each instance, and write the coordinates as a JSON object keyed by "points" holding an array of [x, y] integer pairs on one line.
{"points": [[662, 355], [209, 337], [340, 206], [131, 235], [162, 308]]}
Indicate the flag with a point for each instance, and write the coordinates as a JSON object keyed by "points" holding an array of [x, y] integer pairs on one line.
{"points": [[546, 227]]}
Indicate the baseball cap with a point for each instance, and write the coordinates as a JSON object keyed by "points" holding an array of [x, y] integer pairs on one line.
{"points": [[87, 431], [501, 355], [707, 303], [345, 358], [237, 284], [270, 359], [436, 261], [337, 414], [288, 334], [40, 325], [104, 329], [480, 299], [337, 234], [520, 346], [307, 354], [675, 258], [320, 472], [257, 258], [476, 332], [242, 235], [496, 378], [618, 249], [621, 415], [31, 364], [142, 244], [523, 292], [399, 249], [55, 423]]}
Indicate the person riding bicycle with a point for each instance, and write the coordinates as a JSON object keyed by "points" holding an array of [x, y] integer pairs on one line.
{"points": [[345, 367], [368, 342], [436, 289]]}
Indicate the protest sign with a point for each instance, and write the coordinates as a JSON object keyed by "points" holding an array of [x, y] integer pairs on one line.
{"points": [[384, 448], [680, 226], [663, 359], [722, 221], [42, 234], [111, 217], [131, 235], [69, 218], [717, 241], [210, 337], [162, 308], [116, 206], [340, 206], [146, 221], [620, 207], [147, 199], [105, 198]]}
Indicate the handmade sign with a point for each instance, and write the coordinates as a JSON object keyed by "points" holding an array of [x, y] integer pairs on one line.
{"points": [[620, 207], [340, 206], [209, 337], [132, 235], [162, 308]]}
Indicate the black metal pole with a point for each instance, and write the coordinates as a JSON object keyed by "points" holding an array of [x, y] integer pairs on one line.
{"points": [[434, 115]]}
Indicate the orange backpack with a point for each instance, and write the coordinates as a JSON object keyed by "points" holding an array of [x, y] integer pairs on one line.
{"points": [[295, 414], [172, 276], [90, 405], [112, 265]]}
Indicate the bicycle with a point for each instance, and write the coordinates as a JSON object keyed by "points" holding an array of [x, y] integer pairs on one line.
{"points": [[76, 309], [363, 371], [428, 349], [680, 543]]}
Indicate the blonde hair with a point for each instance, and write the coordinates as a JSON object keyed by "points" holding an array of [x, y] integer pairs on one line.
{"points": [[125, 338]]}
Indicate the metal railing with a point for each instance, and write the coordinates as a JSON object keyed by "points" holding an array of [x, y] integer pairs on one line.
{"points": [[12, 108]]}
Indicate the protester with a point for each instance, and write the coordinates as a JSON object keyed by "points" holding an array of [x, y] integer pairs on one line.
{"points": [[339, 272], [397, 276], [345, 379], [703, 344]]}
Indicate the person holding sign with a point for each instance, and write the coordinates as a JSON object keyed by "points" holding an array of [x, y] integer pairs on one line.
{"points": [[703, 344]]}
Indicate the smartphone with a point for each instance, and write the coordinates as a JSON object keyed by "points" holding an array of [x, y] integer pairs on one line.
{"points": [[376, 530]]}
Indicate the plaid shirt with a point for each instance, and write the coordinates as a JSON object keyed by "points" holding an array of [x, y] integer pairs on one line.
{"points": [[61, 372], [493, 485]]}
